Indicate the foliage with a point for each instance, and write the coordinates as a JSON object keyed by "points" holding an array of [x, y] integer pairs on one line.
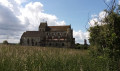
{"points": [[5, 42], [81, 46], [105, 38], [108, 35]]}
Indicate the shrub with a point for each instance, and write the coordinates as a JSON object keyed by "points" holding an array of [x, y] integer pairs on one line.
{"points": [[5, 42], [81, 46]]}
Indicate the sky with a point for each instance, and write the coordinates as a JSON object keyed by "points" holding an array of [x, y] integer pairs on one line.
{"points": [[18, 16]]}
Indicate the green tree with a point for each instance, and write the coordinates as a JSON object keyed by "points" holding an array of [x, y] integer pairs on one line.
{"points": [[5, 42], [106, 37]]}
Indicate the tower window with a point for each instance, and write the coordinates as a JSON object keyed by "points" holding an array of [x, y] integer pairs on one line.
{"points": [[49, 44], [62, 44]]}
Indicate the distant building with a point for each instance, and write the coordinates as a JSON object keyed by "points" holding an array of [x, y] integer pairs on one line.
{"points": [[58, 36], [85, 42]]}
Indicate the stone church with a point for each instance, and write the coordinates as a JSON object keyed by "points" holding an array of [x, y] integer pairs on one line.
{"points": [[52, 36]]}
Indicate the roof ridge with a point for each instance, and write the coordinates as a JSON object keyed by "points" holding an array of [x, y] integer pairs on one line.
{"points": [[60, 25]]}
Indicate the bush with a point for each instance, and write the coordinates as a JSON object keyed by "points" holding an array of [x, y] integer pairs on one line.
{"points": [[81, 46], [5, 42]]}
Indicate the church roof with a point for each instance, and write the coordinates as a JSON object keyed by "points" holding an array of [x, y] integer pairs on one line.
{"points": [[31, 34], [58, 28], [48, 29]]}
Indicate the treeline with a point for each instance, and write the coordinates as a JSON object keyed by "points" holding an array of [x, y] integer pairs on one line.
{"points": [[81, 46]]}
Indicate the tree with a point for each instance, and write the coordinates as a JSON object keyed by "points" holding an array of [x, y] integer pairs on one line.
{"points": [[106, 37], [5, 42]]}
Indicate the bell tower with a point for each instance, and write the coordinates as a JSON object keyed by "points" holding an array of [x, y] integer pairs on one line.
{"points": [[43, 26]]}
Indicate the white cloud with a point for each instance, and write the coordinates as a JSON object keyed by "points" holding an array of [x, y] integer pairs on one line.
{"points": [[107, 0], [34, 13], [97, 19], [102, 15], [94, 16], [20, 1], [80, 36]]}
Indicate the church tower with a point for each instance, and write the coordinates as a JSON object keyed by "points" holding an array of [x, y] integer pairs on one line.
{"points": [[43, 26]]}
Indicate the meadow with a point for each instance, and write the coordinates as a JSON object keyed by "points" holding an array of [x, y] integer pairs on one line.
{"points": [[28, 58]]}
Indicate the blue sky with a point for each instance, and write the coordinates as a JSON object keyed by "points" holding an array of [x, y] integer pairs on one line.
{"points": [[18, 16], [74, 12]]}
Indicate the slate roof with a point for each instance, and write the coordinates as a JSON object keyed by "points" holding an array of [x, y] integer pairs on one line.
{"points": [[48, 29], [31, 34], [58, 28]]}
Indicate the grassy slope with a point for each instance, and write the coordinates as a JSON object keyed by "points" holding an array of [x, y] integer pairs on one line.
{"points": [[21, 58]]}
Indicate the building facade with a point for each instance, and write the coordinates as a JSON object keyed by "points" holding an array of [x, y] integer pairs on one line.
{"points": [[58, 36]]}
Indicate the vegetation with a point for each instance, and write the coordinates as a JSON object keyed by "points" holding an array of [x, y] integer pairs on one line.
{"points": [[81, 46], [104, 39], [23, 58], [5, 42]]}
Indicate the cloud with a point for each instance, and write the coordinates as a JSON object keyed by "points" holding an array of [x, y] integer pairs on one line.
{"points": [[102, 15], [16, 19], [9, 24], [107, 0], [80, 36], [34, 13], [97, 19]]}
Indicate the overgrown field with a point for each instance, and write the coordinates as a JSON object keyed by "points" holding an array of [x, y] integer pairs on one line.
{"points": [[25, 58]]}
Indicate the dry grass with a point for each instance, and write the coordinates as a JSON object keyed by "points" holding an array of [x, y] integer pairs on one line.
{"points": [[26, 58]]}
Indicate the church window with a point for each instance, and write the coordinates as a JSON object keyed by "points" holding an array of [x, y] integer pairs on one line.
{"points": [[32, 42], [28, 41], [62, 44], [49, 44]]}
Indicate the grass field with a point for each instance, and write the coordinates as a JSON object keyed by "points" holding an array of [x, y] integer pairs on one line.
{"points": [[26, 58]]}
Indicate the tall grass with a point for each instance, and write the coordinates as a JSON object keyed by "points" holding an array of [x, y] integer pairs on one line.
{"points": [[26, 58]]}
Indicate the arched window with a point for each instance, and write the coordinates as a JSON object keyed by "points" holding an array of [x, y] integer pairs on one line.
{"points": [[62, 44], [21, 41], [49, 44], [28, 41], [32, 42]]}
